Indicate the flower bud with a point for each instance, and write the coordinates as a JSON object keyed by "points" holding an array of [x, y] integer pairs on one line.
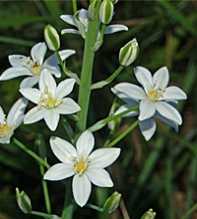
{"points": [[112, 202], [23, 201], [52, 38], [128, 53], [150, 214], [92, 10], [106, 11]]}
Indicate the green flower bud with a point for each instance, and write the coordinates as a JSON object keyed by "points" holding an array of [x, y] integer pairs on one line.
{"points": [[106, 11], [92, 9], [23, 201], [52, 38], [112, 202], [150, 214], [128, 53]]}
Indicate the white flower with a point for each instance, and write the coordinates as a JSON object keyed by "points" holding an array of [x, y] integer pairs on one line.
{"points": [[13, 120], [31, 66], [80, 22], [85, 166], [50, 99], [156, 99]]}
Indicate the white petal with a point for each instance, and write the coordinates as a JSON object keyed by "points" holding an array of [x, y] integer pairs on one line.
{"points": [[130, 90], [16, 113], [65, 88], [34, 115], [144, 77], [148, 128], [17, 60], [174, 93], [85, 143], [123, 108], [68, 106], [115, 28], [47, 82], [66, 53], [14, 72], [81, 189], [51, 118], [58, 172], [32, 94], [2, 115], [6, 139], [161, 78], [169, 112], [104, 157], [72, 31], [68, 19], [99, 177], [29, 82], [147, 109], [38, 52], [168, 122], [63, 150]]}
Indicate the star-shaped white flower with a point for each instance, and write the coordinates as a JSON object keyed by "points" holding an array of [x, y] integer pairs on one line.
{"points": [[50, 99], [156, 99], [85, 166], [32, 66], [14, 119], [80, 21]]}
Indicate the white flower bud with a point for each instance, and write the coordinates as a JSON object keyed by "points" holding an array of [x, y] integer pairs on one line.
{"points": [[23, 201], [106, 11], [128, 53], [112, 203], [52, 38], [150, 214]]}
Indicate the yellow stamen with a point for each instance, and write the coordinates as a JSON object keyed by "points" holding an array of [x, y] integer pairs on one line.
{"points": [[36, 69], [4, 130], [80, 166], [154, 94], [48, 101]]}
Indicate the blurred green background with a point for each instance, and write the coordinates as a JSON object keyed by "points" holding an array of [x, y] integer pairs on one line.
{"points": [[159, 174]]}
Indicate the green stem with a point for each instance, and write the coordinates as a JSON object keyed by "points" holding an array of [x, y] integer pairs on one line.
{"points": [[95, 207], [74, 3], [190, 211], [31, 153], [87, 68], [107, 81], [41, 214], [45, 191], [123, 134]]}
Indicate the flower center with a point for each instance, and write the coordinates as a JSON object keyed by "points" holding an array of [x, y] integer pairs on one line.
{"points": [[36, 69], [80, 166], [48, 101], [4, 130], [154, 94]]}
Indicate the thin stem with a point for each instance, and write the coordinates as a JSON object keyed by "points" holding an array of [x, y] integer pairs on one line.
{"points": [[123, 134], [87, 68], [31, 153], [190, 211], [107, 81], [124, 210], [74, 3], [95, 207], [46, 192], [41, 214]]}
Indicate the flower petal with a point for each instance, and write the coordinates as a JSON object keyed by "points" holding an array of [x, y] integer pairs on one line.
{"points": [[169, 112], [104, 157], [47, 82], [168, 122], [174, 93], [147, 109], [85, 143], [63, 150], [161, 78], [81, 189], [68, 19], [99, 177], [58, 172], [144, 77], [38, 52], [14, 72], [17, 60], [32, 94], [68, 30], [65, 88], [115, 28], [68, 106], [16, 113], [34, 115], [51, 117], [2, 115], [129, 90], [123, 108], [148, 128], [66, 53], [29, 82]]}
